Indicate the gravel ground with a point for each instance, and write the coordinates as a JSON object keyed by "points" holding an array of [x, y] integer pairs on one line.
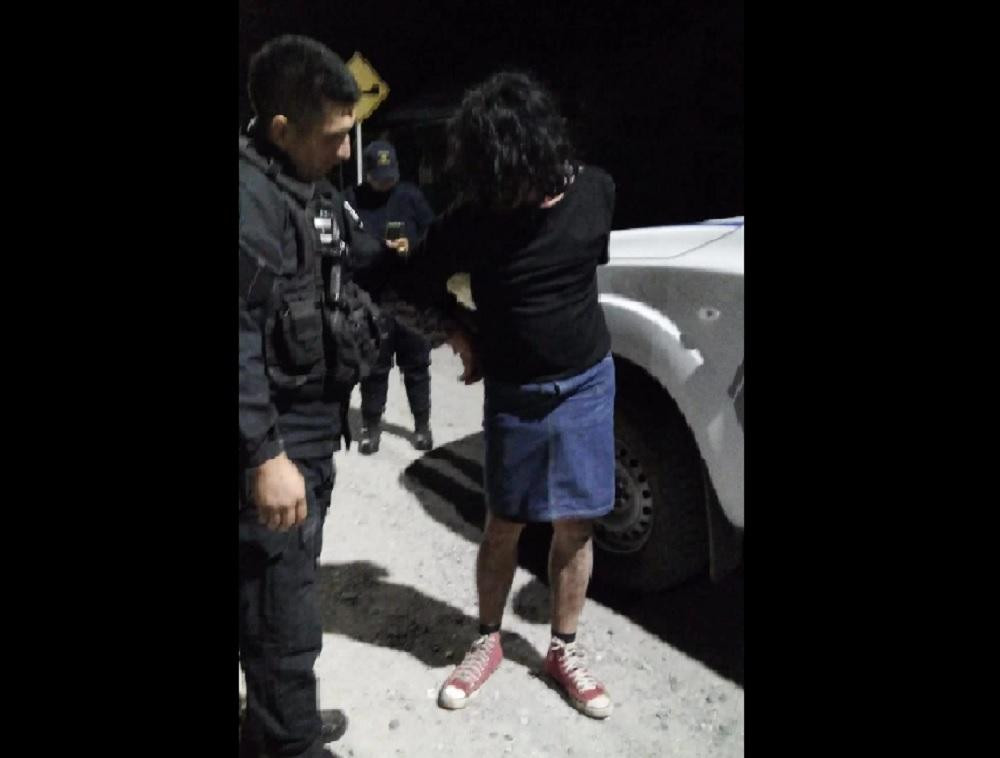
{"points": [[399, 609]]}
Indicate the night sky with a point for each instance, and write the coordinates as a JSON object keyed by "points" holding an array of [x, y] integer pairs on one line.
{"points": [[653, 91]]}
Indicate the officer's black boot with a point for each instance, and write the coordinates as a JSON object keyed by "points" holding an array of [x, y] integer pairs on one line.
{"points": [[371, 433], [422, 437], [334, 725]]}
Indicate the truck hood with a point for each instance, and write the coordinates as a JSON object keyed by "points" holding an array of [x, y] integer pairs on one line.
{"points": [[710, 246]]}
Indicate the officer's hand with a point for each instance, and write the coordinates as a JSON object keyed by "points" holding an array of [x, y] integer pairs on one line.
{"points": [[461, 344], [279, 492], [400, 245]]}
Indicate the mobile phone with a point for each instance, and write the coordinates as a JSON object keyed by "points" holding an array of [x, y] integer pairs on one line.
{"points": [[394, 230]]}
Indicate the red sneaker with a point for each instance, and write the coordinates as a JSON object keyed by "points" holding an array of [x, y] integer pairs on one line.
{"points": [[479, 663], [565, 665]]}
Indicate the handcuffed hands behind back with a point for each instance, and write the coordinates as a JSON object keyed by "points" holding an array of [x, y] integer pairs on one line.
{"points": [[462, 345]]}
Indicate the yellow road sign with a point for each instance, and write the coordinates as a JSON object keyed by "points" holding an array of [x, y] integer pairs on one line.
{"points": [[373, 89]]}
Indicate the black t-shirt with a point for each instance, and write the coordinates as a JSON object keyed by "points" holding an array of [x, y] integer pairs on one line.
{"points": [[533, 276]]}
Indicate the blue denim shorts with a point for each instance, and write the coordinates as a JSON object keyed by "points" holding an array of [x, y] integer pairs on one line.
{"points": [[550, 447]]}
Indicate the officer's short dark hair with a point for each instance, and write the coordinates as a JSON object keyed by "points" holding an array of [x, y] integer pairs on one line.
{"points": [[293, 75]]}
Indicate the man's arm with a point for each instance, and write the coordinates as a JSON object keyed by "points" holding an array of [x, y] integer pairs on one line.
{"points": [[423, 266], [420, 276], [278, 488], [260, 261], [259, 438]]}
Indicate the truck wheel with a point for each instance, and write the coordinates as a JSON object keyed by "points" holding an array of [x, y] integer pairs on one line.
{"points": [[657, 535]]}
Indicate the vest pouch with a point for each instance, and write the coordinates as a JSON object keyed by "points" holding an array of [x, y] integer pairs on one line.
{"points": [[302, 332], [354, 331], [295, 343]]}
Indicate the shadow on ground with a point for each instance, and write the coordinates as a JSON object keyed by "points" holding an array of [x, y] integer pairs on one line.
{"points": [[705, 620], [357, 601]]}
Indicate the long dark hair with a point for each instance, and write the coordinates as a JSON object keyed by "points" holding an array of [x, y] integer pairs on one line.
{"points": [[508, 143]]}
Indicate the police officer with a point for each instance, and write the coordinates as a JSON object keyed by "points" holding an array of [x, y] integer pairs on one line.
{"points": [[391, 208], [294, 233]]}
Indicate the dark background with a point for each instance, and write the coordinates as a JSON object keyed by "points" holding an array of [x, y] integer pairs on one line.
{"points": [[124, 384], [653, 90], [123, 588]]}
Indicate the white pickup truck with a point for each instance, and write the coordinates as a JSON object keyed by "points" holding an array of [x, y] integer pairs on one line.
{"points": [[673, 301]]}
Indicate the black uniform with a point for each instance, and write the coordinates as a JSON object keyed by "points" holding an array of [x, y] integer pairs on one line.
{"points": [[288, 401], [404, 203]]}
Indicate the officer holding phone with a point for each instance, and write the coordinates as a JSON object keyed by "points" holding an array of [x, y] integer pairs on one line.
{"points": [[395, 210]]}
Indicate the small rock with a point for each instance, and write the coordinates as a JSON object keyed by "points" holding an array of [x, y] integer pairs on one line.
{"points": [[394, 724], [509, 737], [724, 730], [674, 684], [494, 734]]}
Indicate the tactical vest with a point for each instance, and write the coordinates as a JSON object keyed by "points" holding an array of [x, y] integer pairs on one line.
{"points": [[321, 327]]}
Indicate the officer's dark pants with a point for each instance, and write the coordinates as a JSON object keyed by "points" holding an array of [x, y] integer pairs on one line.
{"points": [[413, 356], [280, 628]]}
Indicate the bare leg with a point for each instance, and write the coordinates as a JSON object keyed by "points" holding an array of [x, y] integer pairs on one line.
{"points": [[495, 566], [571, 559]]}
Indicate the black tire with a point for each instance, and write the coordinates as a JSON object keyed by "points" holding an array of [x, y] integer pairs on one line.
{"points": [[657, 536]]}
